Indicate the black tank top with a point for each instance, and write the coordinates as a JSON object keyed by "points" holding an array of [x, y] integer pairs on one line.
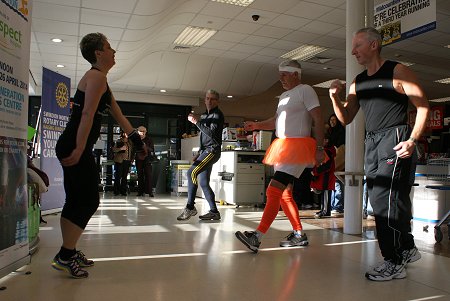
{"points": [[382, 105], [67, 140]]}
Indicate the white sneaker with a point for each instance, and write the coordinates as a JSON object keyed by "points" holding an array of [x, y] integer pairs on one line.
{"points": [[387, 271], [411, 255]]}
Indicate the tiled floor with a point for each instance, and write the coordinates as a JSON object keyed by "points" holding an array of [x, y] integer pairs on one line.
{"points": [[143, 253]]}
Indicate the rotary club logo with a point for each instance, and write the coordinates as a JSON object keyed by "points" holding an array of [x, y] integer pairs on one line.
{"points": [[62, 95]]}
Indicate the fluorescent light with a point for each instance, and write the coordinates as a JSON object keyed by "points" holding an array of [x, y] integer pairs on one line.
{"points": [[406, 63], [236, 2], [443, 81], [444, 99], [162, 91], [60, 66], [304, 52], [327, 84], [230, 96], [56, 40], [194, 36]]}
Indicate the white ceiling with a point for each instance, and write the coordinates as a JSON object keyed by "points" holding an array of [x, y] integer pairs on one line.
{"points": [[240, 59]]}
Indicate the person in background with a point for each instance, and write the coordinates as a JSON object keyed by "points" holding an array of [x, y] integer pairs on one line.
{"points": [[383, 92], [290, 153], [323, 180], [122, 161], [144, 164], [92, 99], [336, 134], [210, 126]]}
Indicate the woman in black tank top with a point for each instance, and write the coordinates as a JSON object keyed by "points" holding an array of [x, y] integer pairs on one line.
{"points": [[74, 150]]}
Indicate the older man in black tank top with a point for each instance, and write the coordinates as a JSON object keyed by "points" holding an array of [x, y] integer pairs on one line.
{"points": [[383, 91]]}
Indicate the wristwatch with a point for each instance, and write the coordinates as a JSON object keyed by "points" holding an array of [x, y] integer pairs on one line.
{"points": [[413, 140]]}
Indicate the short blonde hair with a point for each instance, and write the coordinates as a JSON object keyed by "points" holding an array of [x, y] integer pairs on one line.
{"points": [[142, 129]]}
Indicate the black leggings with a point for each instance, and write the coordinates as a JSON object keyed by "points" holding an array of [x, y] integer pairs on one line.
{"points": [[283, 178]]}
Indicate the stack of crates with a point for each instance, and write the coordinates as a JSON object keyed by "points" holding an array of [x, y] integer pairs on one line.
{"points": [[179, 178]]}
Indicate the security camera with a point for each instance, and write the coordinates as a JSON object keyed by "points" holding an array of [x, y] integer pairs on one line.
{"points": [[255, 17]]}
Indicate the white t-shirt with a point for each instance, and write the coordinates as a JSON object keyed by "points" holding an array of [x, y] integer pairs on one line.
{"points": [[293, 118]]}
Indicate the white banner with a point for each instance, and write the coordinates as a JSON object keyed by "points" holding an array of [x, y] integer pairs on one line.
{"points": [[15, 30], [397, 20]]}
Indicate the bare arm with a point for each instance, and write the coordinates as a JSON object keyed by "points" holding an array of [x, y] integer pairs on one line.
{"points": [[319, 130], [347, 111], [95, 86], [405, 81], [268, 124]]}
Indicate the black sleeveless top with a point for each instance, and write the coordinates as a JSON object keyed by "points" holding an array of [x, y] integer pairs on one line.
{"points": [[67, 140], [382, 105]]}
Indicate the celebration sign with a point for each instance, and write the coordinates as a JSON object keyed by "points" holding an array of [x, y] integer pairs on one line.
{"points": [[15, 34]]}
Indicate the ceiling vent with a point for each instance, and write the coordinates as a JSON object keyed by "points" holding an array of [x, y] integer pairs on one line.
{"points": [[178, 47], [322, 59]]}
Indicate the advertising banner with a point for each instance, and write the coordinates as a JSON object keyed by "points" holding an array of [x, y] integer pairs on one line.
{"points": [[15, 33], [398, 20], [55, 111], [435, 119]]}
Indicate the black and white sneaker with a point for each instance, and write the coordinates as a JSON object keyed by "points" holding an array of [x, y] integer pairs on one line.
{"points": [[210, 216], [411, 255], [386, 271], [294, 241], [249, 239]]}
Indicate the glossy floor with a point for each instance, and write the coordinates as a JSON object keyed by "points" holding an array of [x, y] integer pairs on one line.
{"points": [[143, 253]]}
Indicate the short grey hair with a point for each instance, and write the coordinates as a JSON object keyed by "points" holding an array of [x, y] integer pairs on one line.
{"points": [[213, 92], [372, 35]]}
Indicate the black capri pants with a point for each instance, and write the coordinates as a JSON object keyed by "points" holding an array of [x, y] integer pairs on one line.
{"points": [[81, 187]]}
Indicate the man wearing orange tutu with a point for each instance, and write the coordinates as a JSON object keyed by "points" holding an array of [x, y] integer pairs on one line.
{"points": [[292, 151]]}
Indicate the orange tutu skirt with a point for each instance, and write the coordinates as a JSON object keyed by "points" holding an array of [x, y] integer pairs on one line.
{"points": [[291, 151]]}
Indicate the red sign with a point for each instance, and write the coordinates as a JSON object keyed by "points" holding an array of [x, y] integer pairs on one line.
{"points": [[435, 118]]}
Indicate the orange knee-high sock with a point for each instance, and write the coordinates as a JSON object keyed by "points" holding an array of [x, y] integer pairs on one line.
{"points": [[290, 209], [273, 195]]}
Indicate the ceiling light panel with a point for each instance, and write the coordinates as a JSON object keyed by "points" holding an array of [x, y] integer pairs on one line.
{"points": [[236, 2], [443, 81], [304, 52], [444, 99], [194, 36], [327, 84]]}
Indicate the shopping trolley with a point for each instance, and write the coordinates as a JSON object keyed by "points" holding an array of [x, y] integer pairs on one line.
{"points": [[439, 171]]}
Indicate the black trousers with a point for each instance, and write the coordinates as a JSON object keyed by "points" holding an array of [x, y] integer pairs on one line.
{"points": [[389, 182], [144, 171], [120, 177]]}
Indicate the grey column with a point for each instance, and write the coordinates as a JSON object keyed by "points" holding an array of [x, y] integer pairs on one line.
{"points": [[354, 141]]}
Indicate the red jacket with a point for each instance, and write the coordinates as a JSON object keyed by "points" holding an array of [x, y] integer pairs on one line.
{"points": [[323, 177]]}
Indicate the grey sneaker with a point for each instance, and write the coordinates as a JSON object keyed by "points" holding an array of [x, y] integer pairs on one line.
{"points": [[411, 255], [186, 214], [249, 239], [210, 216], [387, 271], [294, 241]]}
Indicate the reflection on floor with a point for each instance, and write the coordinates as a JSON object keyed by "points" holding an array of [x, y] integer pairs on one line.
{"points": [[143, 253]]}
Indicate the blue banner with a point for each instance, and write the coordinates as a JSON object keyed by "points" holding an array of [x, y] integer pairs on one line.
{"points": [[55, 109]]}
